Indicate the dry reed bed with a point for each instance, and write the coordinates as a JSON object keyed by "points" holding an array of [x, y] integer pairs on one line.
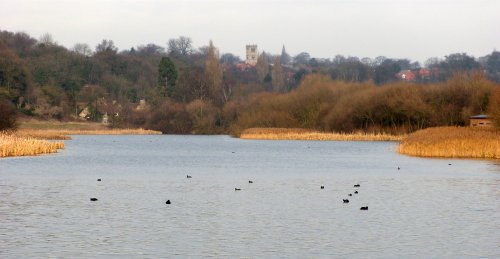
{"points": [[12, 145], [111, 132], [304, 134], [60, 125], [63, 134], [30, 142], [458, 142]]}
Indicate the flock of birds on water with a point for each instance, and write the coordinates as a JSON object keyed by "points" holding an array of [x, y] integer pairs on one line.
{"points": [[350, 194], [168, 202]]}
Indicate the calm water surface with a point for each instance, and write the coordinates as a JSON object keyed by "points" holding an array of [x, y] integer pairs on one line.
{"points": [[427, 209]]}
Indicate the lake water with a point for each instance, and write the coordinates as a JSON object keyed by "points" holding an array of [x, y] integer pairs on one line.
{"points": [[427, 209]]}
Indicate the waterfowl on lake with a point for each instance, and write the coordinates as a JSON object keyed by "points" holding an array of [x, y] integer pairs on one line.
{"points": [[449, 164], [237, 189], [364, 208], [357, 185], [93, 199], [322, 187], [167, 202], [356, 192], [99, 179], [350, 194], [398, 168], [250, 181], [189, 176], [345, 200]]}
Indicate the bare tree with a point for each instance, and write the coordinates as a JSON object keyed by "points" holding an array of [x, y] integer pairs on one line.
{"points": [[213, 75], [46, 39], [8, 116], [262, 66], [302, 58], [105, 46], [278, 78], [229, 58], [150, 50], [181, 46], [83, 49]]}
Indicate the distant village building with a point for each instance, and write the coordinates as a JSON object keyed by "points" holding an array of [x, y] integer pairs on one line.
{"points": [[84, 114], [481, 120], [406, 75], [252, 55], [426, 73], [105, 118], [142, 105], [411, 75]]}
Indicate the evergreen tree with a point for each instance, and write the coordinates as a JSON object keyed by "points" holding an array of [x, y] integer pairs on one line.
{"points": [[167, 76]]}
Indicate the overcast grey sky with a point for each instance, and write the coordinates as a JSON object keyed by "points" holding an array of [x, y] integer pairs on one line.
{"points": [[415, 29]]}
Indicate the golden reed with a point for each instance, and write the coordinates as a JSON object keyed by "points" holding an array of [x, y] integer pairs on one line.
{"points": [[63, 134], [29, 142], [12, 145], [304, 134], [459, 142]]}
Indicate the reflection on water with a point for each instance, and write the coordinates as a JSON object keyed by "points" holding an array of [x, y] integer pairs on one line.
{"points": [[426, 209]]}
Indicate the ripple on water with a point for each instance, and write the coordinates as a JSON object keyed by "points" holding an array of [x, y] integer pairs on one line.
{"points": [[426, 209]]}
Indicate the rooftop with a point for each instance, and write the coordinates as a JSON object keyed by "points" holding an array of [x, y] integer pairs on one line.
{"points": [[479, 116]]}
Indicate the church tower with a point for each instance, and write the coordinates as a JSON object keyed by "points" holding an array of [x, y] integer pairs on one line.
{"points": [[252, 55]]}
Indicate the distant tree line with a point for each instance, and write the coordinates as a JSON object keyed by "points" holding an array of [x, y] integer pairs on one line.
{"points": [[199, 90]]}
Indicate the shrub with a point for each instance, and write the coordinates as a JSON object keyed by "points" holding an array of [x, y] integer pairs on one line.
{"points": [[203, 115], [494, 107], [172, 118], [7, 115]]}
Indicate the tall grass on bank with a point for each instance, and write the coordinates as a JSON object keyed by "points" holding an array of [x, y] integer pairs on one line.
{"points": [[459, 142], [111, 132], [64, 134], [39, 124], [304, 134], [42, 134], [12, 145], [29, 142]]}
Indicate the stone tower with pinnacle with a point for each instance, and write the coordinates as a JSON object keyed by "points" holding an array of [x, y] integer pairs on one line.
{"points": [[252, 55]]}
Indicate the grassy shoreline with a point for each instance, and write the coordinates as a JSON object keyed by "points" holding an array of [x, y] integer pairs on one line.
{"points": [[13, 145], [438, 142], [453, 142], [32, 136], [60, 130], [65, 134], [304, 134]]}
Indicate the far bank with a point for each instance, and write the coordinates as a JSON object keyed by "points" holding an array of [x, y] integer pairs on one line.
{"points": [[445, 142], [305, 134], [34, 137]]}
